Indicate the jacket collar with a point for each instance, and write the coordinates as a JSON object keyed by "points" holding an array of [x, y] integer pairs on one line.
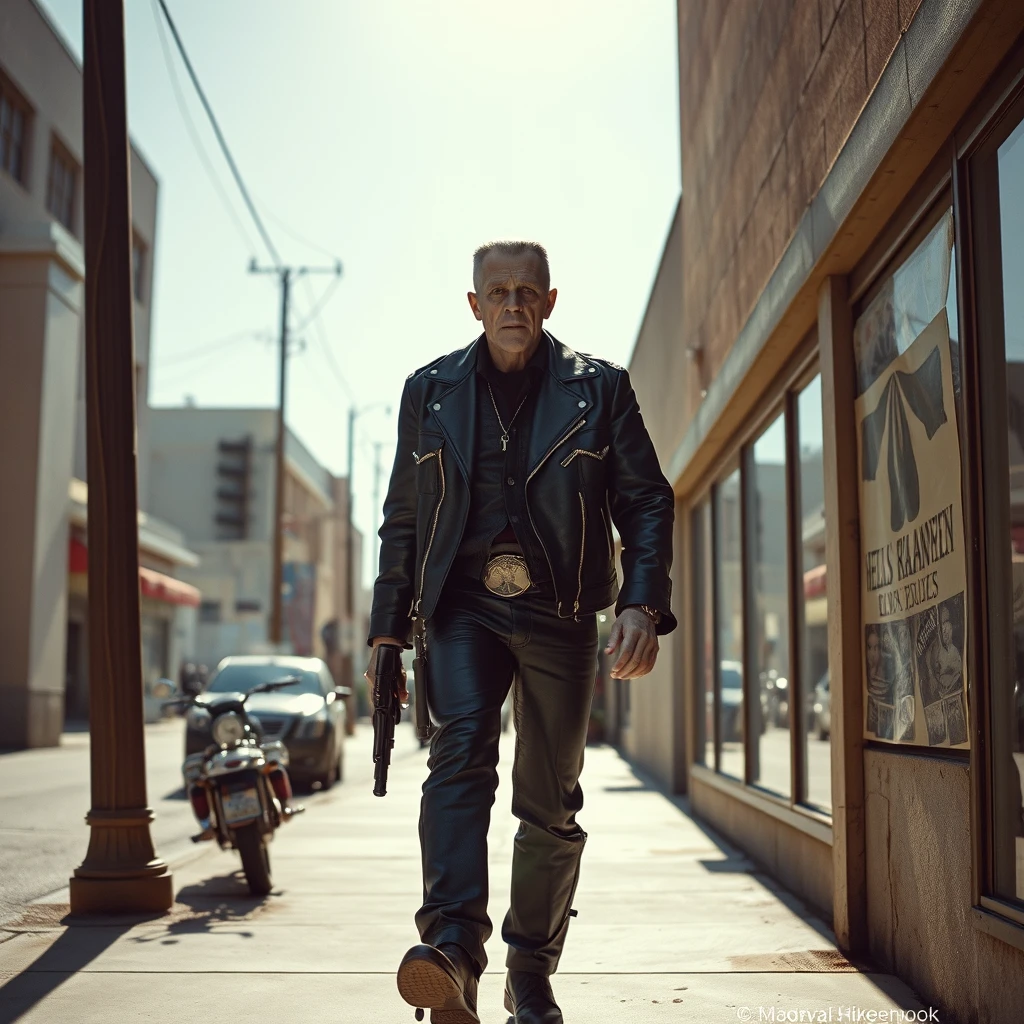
{"points": [[557, 409], [563, 363]]}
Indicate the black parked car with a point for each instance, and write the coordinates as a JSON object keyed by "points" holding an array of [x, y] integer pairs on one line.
{"points": [[309, 717]]}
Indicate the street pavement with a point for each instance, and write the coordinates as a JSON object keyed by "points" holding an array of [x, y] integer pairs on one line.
{"points": [[44, 797], [673, 925]]}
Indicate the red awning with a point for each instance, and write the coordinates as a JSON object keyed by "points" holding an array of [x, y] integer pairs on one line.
{"points": [[815, 583], [156, 585]]}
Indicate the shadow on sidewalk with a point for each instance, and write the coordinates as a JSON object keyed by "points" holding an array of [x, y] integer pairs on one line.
{"points": [[82, 941], [735, 861], [197, 909], [222, 900]]}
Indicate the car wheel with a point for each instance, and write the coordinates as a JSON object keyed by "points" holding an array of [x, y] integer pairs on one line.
{"points": [[328, 779]]}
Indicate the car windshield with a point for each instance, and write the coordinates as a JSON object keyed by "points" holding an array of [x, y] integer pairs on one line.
{"points": [[240, 678]]}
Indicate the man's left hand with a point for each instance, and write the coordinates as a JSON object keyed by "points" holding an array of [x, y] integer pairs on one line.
{"points": [[635, 638]]}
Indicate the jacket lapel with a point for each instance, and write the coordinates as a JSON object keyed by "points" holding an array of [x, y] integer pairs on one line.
{"points": [[558, 407], [454, 411]]}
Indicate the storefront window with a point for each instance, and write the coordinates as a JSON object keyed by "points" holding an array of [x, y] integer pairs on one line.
{"points": [[704, 634], [729, 614], [812, 599], [769, 693], [1008, 692]]}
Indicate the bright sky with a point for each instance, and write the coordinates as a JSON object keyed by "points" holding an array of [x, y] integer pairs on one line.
{"points": [[396, 135]]}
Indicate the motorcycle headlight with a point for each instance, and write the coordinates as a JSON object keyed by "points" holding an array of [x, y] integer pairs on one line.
{"points": [[228, 729], [314, 726], [198, 718]]}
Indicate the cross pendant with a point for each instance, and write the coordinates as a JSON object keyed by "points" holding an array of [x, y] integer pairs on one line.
{"points": [[504, 442]]}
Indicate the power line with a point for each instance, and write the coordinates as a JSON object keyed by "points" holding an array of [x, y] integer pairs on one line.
{"points": [[220, 139], [201, 350], [182, 373], [295, 236], [318, 306], [321, 338], [193, 131]]}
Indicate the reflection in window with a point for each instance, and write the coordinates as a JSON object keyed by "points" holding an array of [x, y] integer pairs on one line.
{"points": [[1008, 726], [813, 603], [768, 626], [729, 613], [906, 304]]}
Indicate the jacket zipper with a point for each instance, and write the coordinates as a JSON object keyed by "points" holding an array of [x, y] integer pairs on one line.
{"points": [[423, 458], [583, 548], [583, 451], [608, 534], [577, 426], [433, 528]]}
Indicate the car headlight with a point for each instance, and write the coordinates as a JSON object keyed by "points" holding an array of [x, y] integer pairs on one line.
{"points": [[313, 727], [198, 718], [228, 729]]}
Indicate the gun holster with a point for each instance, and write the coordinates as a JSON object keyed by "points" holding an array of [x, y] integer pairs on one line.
{"points": [[421, 712]]}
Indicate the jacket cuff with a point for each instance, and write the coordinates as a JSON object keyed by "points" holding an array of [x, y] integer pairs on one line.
{"points": [[633, 597], [385, 624]]}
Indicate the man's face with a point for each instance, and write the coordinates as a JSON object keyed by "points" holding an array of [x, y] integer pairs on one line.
{"points": [[947, 632], [873, 653], [513, 301]]}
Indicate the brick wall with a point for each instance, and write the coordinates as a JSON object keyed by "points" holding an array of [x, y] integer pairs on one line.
{"points": [[769, 92]]}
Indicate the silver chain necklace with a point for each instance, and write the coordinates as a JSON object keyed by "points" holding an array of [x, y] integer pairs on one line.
{"points": [[504, 429]]}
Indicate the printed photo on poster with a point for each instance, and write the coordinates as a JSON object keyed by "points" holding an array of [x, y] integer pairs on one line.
{"points": [[911, 517]]}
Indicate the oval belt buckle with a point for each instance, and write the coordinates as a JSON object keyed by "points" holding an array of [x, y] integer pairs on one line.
{"points": [[507, 576]]}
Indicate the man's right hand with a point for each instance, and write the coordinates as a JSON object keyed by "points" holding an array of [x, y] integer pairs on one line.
{"points": [[403, 694]]}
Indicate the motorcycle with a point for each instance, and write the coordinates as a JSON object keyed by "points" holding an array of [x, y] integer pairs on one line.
{"points": [[239, 786]]}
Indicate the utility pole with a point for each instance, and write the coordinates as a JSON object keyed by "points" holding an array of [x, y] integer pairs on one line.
{"points": [[348, 665], [121, 871], [285, 274], [377, 446]]}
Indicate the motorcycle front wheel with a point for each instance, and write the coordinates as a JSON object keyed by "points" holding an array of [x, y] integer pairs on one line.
{"points": [[255, 858]]}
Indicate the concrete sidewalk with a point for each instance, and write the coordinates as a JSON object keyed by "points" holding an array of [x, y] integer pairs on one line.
{"points": [[672, 925]]}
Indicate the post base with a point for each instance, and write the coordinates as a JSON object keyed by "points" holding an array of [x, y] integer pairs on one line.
{"points": [[149, 894]]}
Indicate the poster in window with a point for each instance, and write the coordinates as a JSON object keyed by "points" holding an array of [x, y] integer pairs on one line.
{"points": [[912, 531]]}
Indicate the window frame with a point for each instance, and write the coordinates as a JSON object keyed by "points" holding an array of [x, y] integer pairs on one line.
{"points": [[17, 101], [985, 455], [62, 157], [800, 370]]}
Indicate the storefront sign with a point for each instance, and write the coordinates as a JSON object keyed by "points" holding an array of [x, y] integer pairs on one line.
{"points": [[912, 533]]}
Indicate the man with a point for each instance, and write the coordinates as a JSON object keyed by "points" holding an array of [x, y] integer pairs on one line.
{"points": [[944, 660], [515, 456]]}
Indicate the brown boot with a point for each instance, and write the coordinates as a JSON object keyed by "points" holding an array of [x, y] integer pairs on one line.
{"points": [[441, 979]]}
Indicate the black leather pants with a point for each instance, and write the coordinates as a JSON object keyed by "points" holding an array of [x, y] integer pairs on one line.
{"points": [[476, 644]]}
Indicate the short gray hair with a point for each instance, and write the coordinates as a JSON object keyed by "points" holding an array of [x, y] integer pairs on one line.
{"points": [[509, 249]]}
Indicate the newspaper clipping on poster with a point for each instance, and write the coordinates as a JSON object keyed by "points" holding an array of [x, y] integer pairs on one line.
{"points": [[912, 538]]}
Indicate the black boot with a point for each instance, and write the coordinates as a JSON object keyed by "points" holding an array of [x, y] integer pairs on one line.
{"points": [[529, 999], [443, 980]]}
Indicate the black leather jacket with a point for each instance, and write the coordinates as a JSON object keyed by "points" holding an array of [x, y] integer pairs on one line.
{"points": [[591, 464]]}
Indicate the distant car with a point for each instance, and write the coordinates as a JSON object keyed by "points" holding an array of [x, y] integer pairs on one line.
{"points": [[309, 717], [823, 708], [731, 674]]}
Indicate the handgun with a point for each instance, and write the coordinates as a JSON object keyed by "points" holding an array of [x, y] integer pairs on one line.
{"points": [[387, 711]]}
